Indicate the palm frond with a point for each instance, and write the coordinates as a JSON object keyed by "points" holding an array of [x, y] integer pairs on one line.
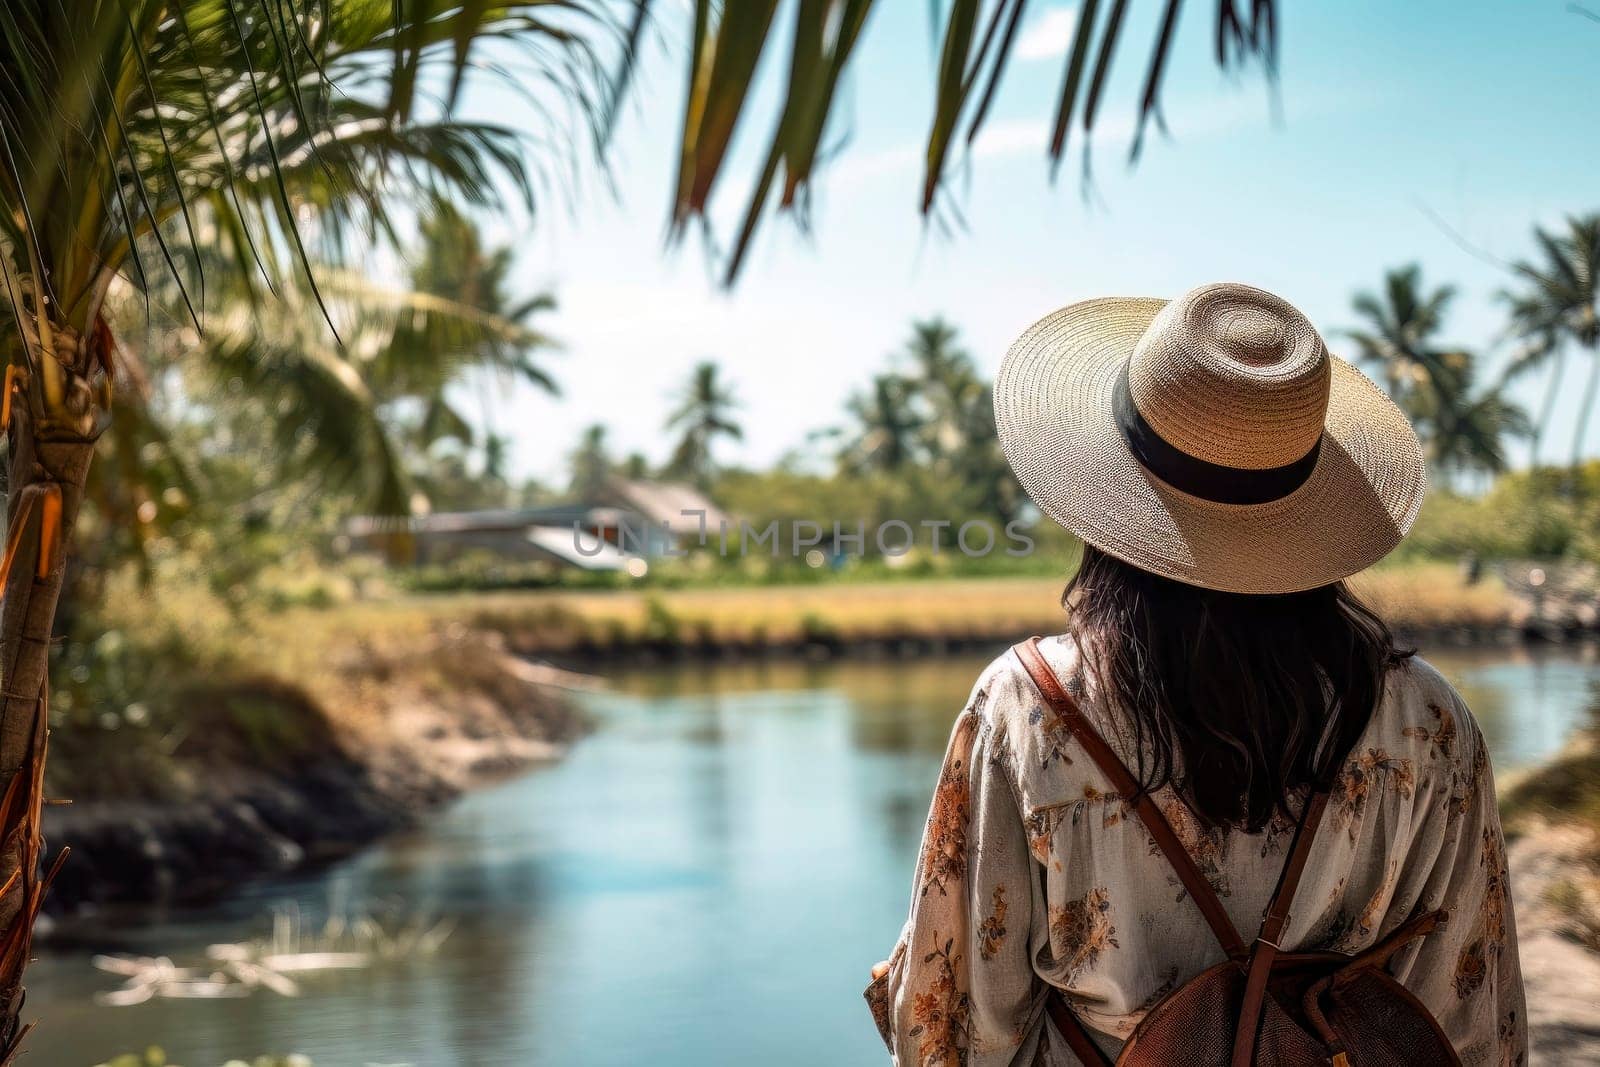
{"points": [[977, 38], [267, 124]]}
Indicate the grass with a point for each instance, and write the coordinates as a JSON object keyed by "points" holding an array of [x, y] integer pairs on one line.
{"points": [[1421, 596], [1566, 789], [1413, 596]]}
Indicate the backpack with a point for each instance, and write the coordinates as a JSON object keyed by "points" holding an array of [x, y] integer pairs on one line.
{"points": [[1260, 1005]]}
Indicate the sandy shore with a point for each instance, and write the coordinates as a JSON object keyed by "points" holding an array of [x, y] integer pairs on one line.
{"points": [[1561, 972]]}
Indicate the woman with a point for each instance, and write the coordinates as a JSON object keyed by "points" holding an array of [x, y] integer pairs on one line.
{"points": [[1225, 474]]}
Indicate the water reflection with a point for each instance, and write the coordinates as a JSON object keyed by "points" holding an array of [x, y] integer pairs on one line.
{"points": [[704, 881]]}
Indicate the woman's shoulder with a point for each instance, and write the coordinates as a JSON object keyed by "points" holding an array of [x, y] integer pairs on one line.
{"points": [[1004, 687], [1424, 721], [1009, 708]]}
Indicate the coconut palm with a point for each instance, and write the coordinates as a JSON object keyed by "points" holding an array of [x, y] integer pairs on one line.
{"points": [[729, 41], [1464, 429], [981, 465], [635, 467], [1558, 305], [944, 382], [363, 422], [591, 464], [1397, 344], [942, 366], [887, 425], [704, 413], [364, 418], [1473, 437], [136, 139]]}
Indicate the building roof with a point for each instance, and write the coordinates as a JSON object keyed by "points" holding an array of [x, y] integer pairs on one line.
{"points": [[677, 506], [623, 501]]}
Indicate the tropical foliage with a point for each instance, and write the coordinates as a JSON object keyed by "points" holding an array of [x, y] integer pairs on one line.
{"points": [[885, 426], [141, 144], [729, 42], [937, 416], [590, 463], [704, 414], [1463, 426], [1556, 307]]}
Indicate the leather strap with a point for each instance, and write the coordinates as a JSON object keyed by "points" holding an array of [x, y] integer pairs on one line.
{"points": [[1262, 953], [1123, 781], [1074, 1033], [1266, 948]]}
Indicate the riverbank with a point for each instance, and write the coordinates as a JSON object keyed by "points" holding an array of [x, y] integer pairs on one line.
{"points": [[1426, 602], [419, 704], [271, 774], [313, 730]]}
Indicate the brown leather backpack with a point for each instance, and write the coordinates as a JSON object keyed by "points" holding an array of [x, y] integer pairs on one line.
{"points": [[1261, 1005]]}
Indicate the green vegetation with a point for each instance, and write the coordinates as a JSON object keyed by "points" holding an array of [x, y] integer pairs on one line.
{"points": [[1556, 307], [704, 413], [155, 1057], [177, 154], [1547, 513], [1565, 789], [191, 201], [1464, 427]]}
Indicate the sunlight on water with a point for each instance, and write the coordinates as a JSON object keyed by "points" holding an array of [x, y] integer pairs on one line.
{"points": [[704, 881]]}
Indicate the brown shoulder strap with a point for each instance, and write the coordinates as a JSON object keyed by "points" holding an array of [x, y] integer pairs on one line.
{"points": [[1123, 781], [1305, 833], [1074, 1033], [1266, 948]]}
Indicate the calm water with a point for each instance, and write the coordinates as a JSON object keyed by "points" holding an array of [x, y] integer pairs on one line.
{"points": [[704, 881]]}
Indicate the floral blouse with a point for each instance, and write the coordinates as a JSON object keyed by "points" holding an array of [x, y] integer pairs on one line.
{"points": [[1033, 875]]}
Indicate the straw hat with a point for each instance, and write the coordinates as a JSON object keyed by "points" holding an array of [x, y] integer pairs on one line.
{"points": [[1211, 439]]}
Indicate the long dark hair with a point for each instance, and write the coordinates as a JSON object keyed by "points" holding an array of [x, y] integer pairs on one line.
{"points": [[1237, 701]]}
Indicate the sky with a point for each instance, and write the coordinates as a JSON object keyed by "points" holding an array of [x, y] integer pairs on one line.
{"points": [[1430, 132]]}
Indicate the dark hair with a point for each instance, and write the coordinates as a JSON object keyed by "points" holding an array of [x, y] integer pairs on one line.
{"points": [[1235, 700]]}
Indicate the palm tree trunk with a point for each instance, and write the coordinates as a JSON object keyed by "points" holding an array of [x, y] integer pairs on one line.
{"points": [[1545, 409], [47, 471], [1585, 409]]}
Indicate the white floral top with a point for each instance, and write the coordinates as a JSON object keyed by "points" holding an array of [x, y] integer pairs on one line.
{"points": [[1032, 875]]}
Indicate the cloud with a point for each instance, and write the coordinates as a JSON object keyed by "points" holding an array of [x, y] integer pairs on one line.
{"points": [[1190, 118], [1048, 35]]}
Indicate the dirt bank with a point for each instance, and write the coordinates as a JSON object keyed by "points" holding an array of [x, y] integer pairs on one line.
{"points": [[1554, 885], [408, 728]]}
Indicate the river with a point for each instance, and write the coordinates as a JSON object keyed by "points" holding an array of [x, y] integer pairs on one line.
{"points": [[703, 881]]}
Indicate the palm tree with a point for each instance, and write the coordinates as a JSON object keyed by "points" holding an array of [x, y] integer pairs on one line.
{"points": [[729, 41], [1397, 343], [365, 417], [591, 464], [635, 467], [704, 413], [1463, 429], [134, 133], [1466, 430], [944, 382], [886, 426], [942, 365], [980, 466], [132, 136], [1559, 302]]}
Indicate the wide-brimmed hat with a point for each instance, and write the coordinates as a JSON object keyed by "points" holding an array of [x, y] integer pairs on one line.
{"points": [[1211, 439]]}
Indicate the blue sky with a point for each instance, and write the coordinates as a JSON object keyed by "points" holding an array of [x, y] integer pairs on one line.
{"points": [[1406, 131]]}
